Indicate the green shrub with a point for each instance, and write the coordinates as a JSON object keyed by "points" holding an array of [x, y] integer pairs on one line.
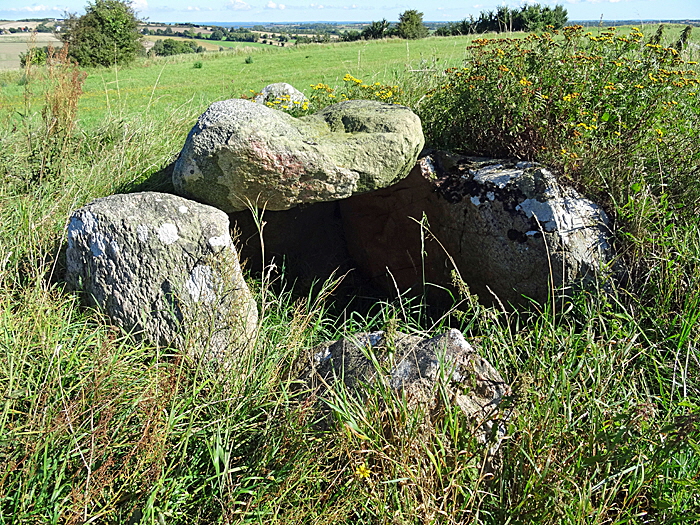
{"points": [[198, 65], [249, 59], [529, 17], [411, 26], [106, 34], [572, 102], [36, 56], [615, 114], [170, 46]]}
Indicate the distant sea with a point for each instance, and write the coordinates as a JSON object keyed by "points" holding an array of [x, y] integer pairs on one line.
{"points": [[587, 23]]}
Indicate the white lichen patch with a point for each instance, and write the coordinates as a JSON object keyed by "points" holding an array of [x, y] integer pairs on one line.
{"points": [[496, 175], [542, 211], [427, 168], [183, 209], [167, 233], [84, 223], [200, 285], [97, 245], [565, 215], [142, 232], [219, 242], [322, 356], [524, 164]]}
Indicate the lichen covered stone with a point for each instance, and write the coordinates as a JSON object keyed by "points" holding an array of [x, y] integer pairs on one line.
{"points": [[242, 154], [162, 268]]}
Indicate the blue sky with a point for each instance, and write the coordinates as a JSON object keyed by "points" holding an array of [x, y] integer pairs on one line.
{"points": [[352, 10]]}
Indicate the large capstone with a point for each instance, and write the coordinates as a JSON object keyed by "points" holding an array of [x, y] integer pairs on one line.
{"points": [[505, 228], [241, 154], [163, 268]]}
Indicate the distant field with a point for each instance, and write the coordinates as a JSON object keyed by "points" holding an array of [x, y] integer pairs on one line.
{"points": [[206, 44], [12, 45], [6, 24], [163, 85], [226, 43]]}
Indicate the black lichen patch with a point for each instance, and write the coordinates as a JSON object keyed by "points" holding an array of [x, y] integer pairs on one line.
{"points": [[455, 181], [515, 235]]}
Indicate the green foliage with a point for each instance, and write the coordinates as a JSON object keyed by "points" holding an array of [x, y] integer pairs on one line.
{"points": [[105, 35], [248, 59], [529, 17], [375, 30], [170, 46], [36, 56], [411, 26], [350, 36]]}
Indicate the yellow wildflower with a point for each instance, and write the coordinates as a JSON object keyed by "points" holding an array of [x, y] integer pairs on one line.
{"points": [[363, 471]]}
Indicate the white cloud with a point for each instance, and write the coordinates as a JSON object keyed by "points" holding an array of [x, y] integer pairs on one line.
{"points": [[273, 5], [238, 5], [353, 6], [34, 9], [316, 6], [139, 5]]}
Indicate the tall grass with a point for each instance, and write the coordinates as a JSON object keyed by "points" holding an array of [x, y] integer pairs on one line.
{"points": [[97, 428]]}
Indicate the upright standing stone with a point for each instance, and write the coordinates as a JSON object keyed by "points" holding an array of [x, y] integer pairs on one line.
{"points": [[163, 268]]}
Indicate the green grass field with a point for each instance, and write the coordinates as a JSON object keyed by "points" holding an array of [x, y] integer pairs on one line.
{"points": [[98, 428]]}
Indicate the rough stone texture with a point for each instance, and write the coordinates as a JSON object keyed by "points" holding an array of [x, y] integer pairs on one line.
{"points": [[417, 366], [241, 153], [165, 268], [509, 228], [383, 235], [281, 91]]}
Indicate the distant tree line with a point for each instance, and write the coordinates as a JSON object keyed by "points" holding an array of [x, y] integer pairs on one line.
{"points": [[238, 34], [41, 28], [531, 17], [410, 26]]}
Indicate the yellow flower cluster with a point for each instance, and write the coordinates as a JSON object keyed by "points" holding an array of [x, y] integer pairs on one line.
{"points": [[285, 102], [322, 87], [349, 78], [586, 126]]}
